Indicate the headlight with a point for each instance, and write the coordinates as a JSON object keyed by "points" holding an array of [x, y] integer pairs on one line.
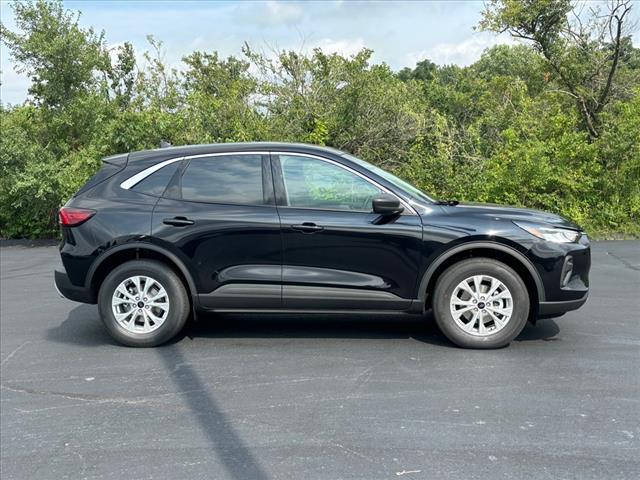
{"points": [[551, 234]]}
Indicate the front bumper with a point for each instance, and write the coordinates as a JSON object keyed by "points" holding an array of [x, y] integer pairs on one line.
{"points": [[564, 271], [555, 309], [66, 289], [560, 284]]}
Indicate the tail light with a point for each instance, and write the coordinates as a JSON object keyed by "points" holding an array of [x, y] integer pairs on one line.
{"points": [[72, 217]]}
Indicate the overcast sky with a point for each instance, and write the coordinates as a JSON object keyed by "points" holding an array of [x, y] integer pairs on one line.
{"points": [[400, 33]]}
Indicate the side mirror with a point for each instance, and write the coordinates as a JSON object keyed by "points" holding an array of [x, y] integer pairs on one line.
{"points": [[386, 204]]}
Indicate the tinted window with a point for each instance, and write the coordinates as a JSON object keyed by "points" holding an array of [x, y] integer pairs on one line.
{"points": [[313, 183], [224, 179], [105, 172], [155, 183]]}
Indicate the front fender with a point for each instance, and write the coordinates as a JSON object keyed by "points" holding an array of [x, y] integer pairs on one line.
{"points": [[474, 245]]}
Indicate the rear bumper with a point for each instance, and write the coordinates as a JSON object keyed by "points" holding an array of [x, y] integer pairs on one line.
{"points": [[68, 290], [555, 309]]}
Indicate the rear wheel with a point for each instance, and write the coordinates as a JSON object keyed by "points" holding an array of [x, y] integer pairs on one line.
{"points": [[143, 303], [481, 303]]}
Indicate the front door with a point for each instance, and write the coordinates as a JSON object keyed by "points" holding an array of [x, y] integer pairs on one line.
{"points": [[337, 254]]}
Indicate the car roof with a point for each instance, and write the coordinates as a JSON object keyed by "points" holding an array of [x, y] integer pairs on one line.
{"points": [[188, 150]]}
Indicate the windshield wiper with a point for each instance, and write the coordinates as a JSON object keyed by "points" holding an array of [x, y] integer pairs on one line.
{"points": [[448, 203]]}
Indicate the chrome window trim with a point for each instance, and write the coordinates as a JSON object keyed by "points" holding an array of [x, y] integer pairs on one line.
{"points": [[138, 177]]}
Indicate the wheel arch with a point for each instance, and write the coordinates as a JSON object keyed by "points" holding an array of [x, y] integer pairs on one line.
{"points": [[498, 251], [133, 251]]}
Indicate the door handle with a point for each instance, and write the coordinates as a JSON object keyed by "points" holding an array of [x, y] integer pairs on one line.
{"points": [[178, 221], [307, 227]]}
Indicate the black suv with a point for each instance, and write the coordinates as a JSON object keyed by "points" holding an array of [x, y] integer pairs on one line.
{"points": [[157, 235]]}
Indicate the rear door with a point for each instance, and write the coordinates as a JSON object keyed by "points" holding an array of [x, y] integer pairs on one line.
{"points": [[337, 253], [218, 215]]}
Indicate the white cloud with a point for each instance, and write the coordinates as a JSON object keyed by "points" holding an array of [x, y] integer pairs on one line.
{"points": [[344, 47], [281, 12], [460, 53]]}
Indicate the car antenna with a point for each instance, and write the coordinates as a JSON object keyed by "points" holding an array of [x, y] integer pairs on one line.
{"points": [[164, 144]]}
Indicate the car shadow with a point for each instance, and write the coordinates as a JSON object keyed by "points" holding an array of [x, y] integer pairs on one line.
{"points": [[546, 329], [316, 325], [83, 327]]}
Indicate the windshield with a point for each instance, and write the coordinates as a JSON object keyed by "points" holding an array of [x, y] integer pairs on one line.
{"points": [[398, 182]]}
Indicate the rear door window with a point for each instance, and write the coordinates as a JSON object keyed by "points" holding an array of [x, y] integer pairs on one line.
{"points": [[234, 179]]}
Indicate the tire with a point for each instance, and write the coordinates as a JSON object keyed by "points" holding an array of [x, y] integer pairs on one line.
{"points": [[497, 329], [170, 309]]}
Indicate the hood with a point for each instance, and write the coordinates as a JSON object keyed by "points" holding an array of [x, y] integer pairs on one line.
{"points": [[493, 211]]}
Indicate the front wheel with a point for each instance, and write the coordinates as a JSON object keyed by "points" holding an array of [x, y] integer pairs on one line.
{"points": [[143, 303], [480, 303]]}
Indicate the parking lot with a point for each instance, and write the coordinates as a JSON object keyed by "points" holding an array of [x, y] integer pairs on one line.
{"points": [[317, 396]]}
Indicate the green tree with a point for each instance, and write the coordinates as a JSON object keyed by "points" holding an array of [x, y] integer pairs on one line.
{"points": [[510, 128], [219, 99], [584, 51], [122, 75], [520, 62], [424, 71], [62, 59]]}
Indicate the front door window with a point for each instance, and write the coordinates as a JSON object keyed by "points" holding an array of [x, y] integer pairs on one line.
{"points": [[314, 183]]}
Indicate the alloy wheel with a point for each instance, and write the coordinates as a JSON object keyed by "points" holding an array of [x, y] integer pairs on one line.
{"points": [[481, 305], [140, 304]]}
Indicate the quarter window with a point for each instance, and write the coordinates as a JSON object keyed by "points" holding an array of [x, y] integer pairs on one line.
{"points": [[314, 183], [156, 183], [224, 179]]}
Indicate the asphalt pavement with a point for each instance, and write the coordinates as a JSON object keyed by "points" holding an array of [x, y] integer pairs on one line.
{"points": [[318, 396]]}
